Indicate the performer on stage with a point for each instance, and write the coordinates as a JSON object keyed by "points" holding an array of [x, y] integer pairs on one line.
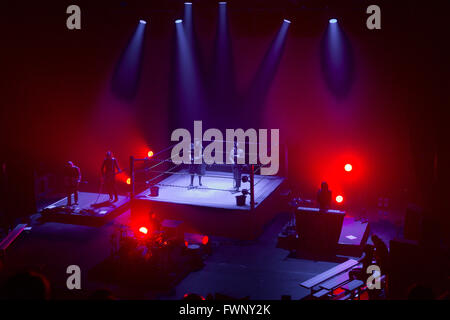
{"points": [[72, 179], [324, 197], [194, 168], [110, 168], [235, 154]]}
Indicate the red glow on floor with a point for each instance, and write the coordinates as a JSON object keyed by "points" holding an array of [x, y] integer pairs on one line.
{"points": [[338, 291], [143, 230]]}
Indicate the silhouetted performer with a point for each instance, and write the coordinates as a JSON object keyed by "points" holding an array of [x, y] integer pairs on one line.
{"points": [[236, 153], [194, 168], [381, 254], [367, 260], [155, 221], [110, 168], [72, 178], [324, 197]]}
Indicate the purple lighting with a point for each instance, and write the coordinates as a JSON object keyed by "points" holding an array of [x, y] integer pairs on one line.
{"points": [[337, 60], [127, 73], [178, 21], [143, 21], [267, 70], [332, 20], [188, 84], [222, 73]]}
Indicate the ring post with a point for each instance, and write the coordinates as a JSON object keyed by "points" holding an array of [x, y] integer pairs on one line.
{"points": [[252, 187], [131, 177]]}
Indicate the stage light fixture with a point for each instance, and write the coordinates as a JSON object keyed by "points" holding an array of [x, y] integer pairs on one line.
{"points": [[188, 3], [348, 167], [205, 240], [129, 181], [222, 3], [178, 21], [332, 20], [143, 21], [339, 199], [143, 230], [150, 153], [287, 21]]}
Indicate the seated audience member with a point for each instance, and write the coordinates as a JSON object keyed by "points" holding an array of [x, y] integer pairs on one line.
{"points": [[193, 297], [324, 197], [27, 285], [361, 273], [420, 292], [102, 294]]}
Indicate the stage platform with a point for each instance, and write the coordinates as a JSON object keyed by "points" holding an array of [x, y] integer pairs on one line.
{"points": [[92, 209], [216, 190], [211, 209]]}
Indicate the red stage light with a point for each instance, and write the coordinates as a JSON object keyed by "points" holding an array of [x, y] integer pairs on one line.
{"points": [[186, 244], [205, 240], [129, 181], [348, 167], [339, 199], [150, 154], [143, 230]]}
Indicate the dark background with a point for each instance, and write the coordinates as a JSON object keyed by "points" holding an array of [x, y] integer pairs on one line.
{"points": [[57, 103]]}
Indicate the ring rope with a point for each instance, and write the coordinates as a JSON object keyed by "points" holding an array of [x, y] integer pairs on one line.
{"points": [[198, 188], [163, 173]]}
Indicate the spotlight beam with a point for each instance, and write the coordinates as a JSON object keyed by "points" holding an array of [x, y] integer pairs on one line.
{"points": [[188, 85], [267, 69], [222, 69], [337, 60], [127, 73]]}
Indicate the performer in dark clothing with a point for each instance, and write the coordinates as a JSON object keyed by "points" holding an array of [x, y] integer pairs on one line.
{"points": [[381, 254], [110, 168], [72, 179], [195, 168], [236, 154], [324, 197]]}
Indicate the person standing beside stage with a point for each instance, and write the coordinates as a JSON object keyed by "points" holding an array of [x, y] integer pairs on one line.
{"points": [[195, 168], [72, 179], [236, 154], [324, 197], [110, 168]]}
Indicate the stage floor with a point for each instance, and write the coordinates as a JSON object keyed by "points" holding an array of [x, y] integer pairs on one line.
{"points": [[217, 190]]}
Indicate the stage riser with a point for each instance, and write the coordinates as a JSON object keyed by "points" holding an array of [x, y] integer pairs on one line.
{"points": [[345, 247], [57, 212]]}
